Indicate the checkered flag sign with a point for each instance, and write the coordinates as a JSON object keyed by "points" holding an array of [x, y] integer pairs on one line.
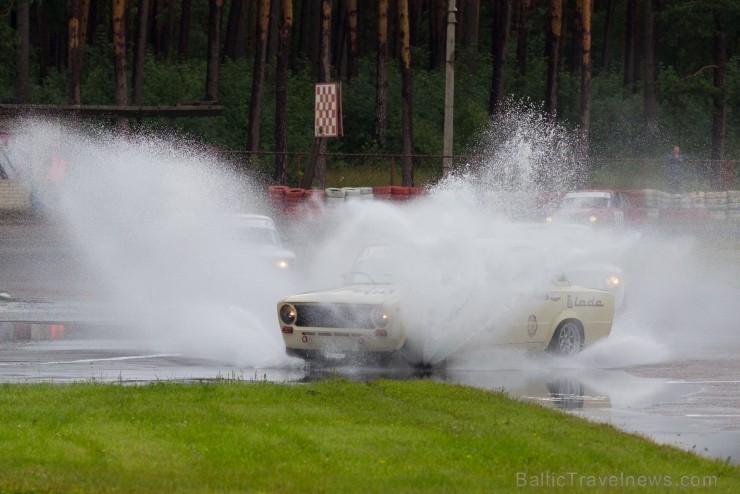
{"points": [[328, 122]]}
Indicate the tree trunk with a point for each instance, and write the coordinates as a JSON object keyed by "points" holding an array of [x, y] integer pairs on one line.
{"points": [[44, 40], [352, 40], [630, 44], [316, 163], [315, 36], [119, 57], [325, 77], [281, 95], [502, 26], [381, 75], [155, 27], [168, 30], [23, 61], [416, 9], [585, 68], [273, 31], [522, 35], [305, 29], [650, 98], [74, 53], [406, 94], [84, 22], [258, 77], [215, 12], [471, 22], [469, 28], [553, 56], [726, 170], [575, 55], [140, 54], [339, 39], [182, 48], [437, 32], [93, 20], [233, 30], [608, 17]]}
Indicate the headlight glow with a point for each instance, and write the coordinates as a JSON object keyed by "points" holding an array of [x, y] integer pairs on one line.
{"points": [[379, 317], [288, 314], [593, 218], [283, 264], [548, 219], [612, 282]]}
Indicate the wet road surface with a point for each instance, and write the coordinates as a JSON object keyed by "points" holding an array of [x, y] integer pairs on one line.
{"points": [[50, 332]]}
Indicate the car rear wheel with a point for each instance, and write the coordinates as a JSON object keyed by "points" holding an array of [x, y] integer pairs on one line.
{"points": [[568, 338]]}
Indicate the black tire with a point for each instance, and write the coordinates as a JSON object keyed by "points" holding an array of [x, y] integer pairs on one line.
{"points": [[567, 339]]}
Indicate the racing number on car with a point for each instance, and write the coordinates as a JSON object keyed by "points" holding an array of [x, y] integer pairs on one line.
{"points": [[532, 326]]}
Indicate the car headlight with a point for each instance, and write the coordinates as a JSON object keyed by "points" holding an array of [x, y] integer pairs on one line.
{"points": [[549, 219], [288, 314], [593, 218], [379, 317], [284, 264], [612, 282]]}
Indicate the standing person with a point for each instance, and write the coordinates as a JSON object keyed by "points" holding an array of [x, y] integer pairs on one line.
{"points": [[675, 170]]}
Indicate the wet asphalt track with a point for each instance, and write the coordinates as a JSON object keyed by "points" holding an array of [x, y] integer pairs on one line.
{"points": [[49, 332]]}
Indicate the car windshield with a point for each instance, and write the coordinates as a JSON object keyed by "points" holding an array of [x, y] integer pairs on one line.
{"points": [[258, 235], [6, 168], [585, 202], [371, 271], [376, 264]]}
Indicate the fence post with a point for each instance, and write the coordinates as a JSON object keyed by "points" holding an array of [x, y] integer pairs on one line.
{"points": [[393, 170]]}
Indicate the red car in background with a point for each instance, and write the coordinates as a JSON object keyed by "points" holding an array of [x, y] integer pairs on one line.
{"points": [[604, 207]]}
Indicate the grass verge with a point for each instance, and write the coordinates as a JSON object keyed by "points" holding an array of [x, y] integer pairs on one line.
{"points": [[331, 436]]}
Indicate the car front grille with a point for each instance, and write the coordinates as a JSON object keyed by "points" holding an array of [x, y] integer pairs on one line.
{"points": [[351, 316]]}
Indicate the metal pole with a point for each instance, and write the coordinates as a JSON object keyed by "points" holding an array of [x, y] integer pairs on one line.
{"points": [[449, 89]]}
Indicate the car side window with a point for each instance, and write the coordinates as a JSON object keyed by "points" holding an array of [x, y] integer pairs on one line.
{"points": [[625, 200], [616, 202]]}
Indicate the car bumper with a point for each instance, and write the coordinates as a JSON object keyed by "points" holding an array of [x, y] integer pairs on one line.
{"points": [[341, 340]]}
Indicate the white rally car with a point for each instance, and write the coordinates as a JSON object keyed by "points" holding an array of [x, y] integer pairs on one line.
{"points": [[375, 314]]}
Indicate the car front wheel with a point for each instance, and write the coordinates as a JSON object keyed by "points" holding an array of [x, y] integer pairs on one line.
{"points": [[568, 338]]}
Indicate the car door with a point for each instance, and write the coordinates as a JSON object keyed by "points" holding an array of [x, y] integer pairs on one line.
{"points": [[532, 321]]}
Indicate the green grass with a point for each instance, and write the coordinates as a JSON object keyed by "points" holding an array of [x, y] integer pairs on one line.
{"points": [[330, 436]]}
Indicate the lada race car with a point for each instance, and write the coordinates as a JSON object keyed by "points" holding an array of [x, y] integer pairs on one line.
{"points": [[378, 313]]}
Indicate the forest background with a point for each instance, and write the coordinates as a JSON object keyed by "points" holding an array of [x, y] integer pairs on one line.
{"points": [[630, 78]]}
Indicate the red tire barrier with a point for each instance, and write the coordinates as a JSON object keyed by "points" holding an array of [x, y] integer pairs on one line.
{"points": [[276, 195], [294, 196], [382, 193], [399, 193]]}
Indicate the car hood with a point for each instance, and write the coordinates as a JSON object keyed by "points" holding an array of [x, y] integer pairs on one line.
{"points": [[592, 267], [348, 294], [271, 252]]}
